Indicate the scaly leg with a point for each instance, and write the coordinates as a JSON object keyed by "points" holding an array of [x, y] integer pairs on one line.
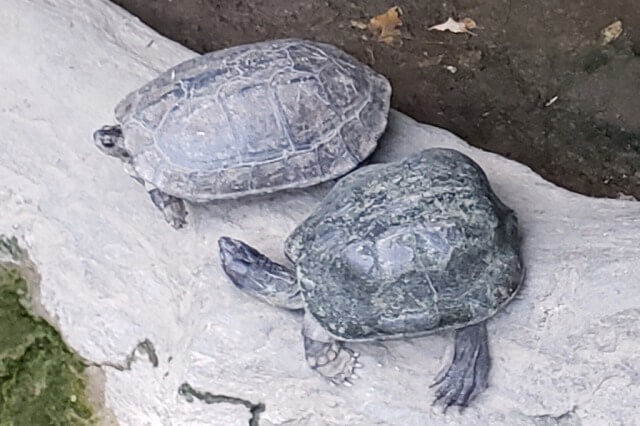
{"points": [[172, 208], [326, 355], [468, 373]]}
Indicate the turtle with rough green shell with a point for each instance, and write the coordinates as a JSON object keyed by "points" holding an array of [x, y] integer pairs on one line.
{"points": [[396, 250], [250, 119]]}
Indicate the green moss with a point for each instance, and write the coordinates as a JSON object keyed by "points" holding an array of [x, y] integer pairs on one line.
{"points": [[41, 380]]}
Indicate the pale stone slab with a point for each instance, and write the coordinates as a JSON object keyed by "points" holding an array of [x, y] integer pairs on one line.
{"points": [[114, 274]]}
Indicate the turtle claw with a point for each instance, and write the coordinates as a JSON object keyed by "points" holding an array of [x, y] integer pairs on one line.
{"points": [[175, 214], [439, 378], [175, 218]]}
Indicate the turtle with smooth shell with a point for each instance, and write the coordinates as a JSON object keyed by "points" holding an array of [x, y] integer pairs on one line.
{"points": [[250, 119], [396, 250]]}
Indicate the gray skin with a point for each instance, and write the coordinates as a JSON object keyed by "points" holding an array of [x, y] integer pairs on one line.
{"points": [[396, 250], [250, 119]]}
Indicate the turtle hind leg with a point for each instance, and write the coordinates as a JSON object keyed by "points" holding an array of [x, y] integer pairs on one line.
{"points": [[172, 208], [257, 275], [326, 355], [467, 374]]}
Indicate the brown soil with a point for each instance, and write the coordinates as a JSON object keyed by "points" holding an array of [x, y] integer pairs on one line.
{"points": [[525, 54]]}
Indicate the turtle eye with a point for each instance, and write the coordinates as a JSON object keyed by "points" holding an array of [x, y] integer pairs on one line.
{"points": [[108, 143]]}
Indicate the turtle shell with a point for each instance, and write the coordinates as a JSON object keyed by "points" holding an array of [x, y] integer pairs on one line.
{"points": [[408, 248], [254, 118]]}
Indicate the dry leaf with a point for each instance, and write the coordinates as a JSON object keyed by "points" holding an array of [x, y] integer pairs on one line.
{"points": [[623, 196], [361, 25], [386, 25], [469, 23], [464, 26], [611, 32]]}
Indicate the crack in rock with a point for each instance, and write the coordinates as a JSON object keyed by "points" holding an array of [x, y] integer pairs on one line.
{"points": [[190, 393], [144, 346], [568, 418]]}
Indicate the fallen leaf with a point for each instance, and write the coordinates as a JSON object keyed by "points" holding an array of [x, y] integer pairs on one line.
{"points": [[623, 196], [469, 23], [463, 26], [611, 32], [386, 25], [361, 25]]}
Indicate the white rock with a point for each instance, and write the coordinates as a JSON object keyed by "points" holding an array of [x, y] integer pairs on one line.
{"points": [[114, 273]]}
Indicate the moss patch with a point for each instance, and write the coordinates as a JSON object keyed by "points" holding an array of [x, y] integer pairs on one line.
{"points": [[41, 380]]}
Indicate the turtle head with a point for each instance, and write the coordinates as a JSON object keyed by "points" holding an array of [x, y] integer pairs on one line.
{"points": [[235, 252], [109, 139], [256, 274]]}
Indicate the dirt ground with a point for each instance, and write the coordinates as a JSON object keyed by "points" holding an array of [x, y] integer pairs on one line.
{"points": [[525, 54]]}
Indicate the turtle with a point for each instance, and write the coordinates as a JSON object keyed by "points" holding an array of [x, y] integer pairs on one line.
{"points": [[249, 119], [395, 250]]}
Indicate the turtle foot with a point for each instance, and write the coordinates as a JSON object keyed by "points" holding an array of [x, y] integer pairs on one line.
{"points": [[467, 374], [172, 208], [332, 361]]}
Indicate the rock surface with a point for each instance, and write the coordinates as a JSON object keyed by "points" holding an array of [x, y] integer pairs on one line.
{"points": [[151, 305]]}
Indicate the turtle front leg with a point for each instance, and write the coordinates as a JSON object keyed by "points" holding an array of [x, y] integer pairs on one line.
{"points": [[172, 208], [467, 375], [110, 140], [326, 355]]}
